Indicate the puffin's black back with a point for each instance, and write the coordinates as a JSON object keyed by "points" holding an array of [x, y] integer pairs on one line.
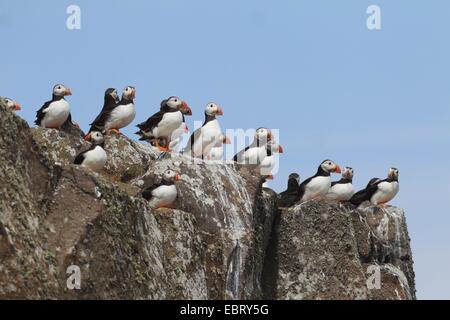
{"points": [[108, 105], [365, 194], [290, 195]]}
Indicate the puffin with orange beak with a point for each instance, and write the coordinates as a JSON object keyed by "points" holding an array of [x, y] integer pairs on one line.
{"points": [[163, 194], [256, 152], [120, 114], [208, 136], [9, 104], [55, 112], [318, 185], [342, 190], [111, 101], [165, 122], [378, 191]]}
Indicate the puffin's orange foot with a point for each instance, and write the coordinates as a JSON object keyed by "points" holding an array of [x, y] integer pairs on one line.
{"points": [[163, 207], [116, 131], [163, 149]]}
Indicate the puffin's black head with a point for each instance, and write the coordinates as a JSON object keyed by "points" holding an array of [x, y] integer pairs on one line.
{"points": [[347, 173], [171, 176], [263, 135], [174, 103], [10, 104], [212, 109], [129, 93], [111, 95], [294, 176], [393, 173], [329, 166], [60, 90]]}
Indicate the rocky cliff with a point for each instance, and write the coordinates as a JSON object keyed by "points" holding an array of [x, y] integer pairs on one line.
{"points": [[225, 240]]}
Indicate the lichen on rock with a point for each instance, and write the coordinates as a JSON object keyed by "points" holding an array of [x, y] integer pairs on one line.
{"points": [[224, 238]]}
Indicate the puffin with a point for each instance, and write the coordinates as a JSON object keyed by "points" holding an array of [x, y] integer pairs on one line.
{"points": [[290, 195], [342, 190], [111, 100], [163, 123], [122, 113], [95, 157], [55, 112], [269, 162], [257, 151], [208, 135], [378, 191], [163, 194], [318, 185], [9, 104]]}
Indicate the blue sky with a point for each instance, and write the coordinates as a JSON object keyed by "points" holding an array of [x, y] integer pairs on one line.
{"points": [[312, 69]]}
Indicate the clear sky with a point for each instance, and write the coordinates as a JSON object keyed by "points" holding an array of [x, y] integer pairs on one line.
{"points": [[312, 69]]}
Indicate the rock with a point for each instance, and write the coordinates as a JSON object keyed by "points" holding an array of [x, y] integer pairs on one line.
{"points": [[322, 250], [220, 242], [55, 215]]}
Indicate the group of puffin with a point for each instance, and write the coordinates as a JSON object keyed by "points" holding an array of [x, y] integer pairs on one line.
{"points": [[163, 130], [319, 186]]}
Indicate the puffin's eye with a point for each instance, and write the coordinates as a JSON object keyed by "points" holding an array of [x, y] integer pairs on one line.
{"points": [[329, 163], [59, 87]]}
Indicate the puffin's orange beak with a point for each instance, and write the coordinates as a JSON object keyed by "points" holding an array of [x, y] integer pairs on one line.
{"points": [[219, 111], [338, 169], [133, 94], [88, 136], [68, 92], [185, 109], [177, 177], [280, 149], [17, 107]]}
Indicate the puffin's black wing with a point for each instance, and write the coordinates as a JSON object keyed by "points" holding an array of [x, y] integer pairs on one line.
{"points": [[302, 187], [151, 122], [147, 193], [193, 138], [80, 157], [99, 122], [40, 113], [365, 194], [239, 155], [373, 181], [342, 180]]}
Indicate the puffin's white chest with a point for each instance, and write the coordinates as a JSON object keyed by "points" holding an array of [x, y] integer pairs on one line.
{"points": [[267, 165], [255, 155], [163, 196], [386, 192], [317, 188], [341, 192], [170, 122], [210, 134], [56, 114], [121, 116], [95, 159]]}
